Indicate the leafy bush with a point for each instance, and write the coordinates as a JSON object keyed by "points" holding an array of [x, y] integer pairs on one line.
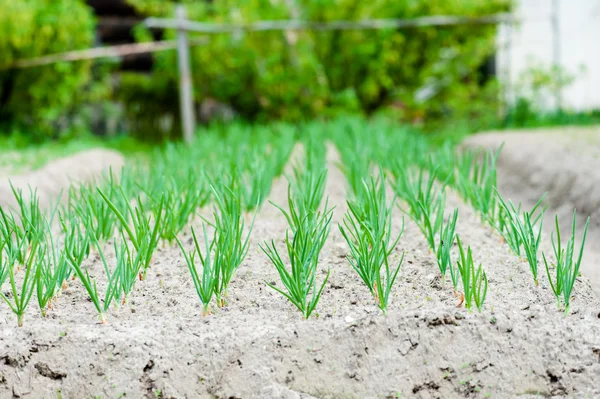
{"points": [[430, 71], [41, 99]]}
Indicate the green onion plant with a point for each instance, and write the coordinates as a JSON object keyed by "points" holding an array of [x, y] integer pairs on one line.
{"points": [[206, 281], [425, 200], [567, 265], [309, 231], [474, 280], [367, 228], [447, 238], [524, 230]]}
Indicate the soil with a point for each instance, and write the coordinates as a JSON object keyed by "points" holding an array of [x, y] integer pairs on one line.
{"points": [[58, 175], [258, 346]]}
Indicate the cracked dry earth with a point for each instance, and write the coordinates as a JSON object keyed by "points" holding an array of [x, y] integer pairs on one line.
{"points": [[159, 345]]}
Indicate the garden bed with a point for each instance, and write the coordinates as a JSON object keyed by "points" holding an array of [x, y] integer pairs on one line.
{"points": [[565, 163], [160, 346]]}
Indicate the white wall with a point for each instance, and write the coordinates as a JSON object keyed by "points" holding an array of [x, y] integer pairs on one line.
{"points": [[532, 40]]}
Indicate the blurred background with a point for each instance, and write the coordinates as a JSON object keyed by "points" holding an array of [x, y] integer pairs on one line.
{"points": [[534, 63]]}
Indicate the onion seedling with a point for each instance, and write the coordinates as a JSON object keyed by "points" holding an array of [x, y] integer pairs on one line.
{"points": [[4, 264], [477, 182], [128, 268], [76, 247], [206, 283], [111, 292], [231, 246], [475, 282], [182, 199], [356, 159], [16, 244], [567, 269], [367, 228], [425, 202], [259, 179], [19, 298], [49, 274], [447, 238], [525, 231], [88, 205], [30, 214], [307, 191], [143, 237], [309, 233]]}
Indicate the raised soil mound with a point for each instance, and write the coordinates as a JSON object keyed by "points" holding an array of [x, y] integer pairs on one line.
{"points": [[58, 175]]}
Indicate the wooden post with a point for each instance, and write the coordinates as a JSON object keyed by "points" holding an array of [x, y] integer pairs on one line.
{"points": [[185, 77], [556, 50]]}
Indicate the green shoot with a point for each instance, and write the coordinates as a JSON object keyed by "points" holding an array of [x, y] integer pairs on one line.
{"points": [[14, 239], [478, 181], [111, 292], [567, 269], [19, 298], [207, 282], [524, 230], [309, 235], [367, 228], [356, 158], [30, 214], [182, 197], [425, 201], [86, 204], [475, 283], [143, 237], [447, 238], [308, 189], [46, 277], [5, 266], [128, 267], [231, 246], [259, 179], [76, 248]]}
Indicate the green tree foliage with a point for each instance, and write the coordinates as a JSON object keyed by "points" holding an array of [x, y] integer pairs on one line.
{"points": [[42, 99], [295, 75]]}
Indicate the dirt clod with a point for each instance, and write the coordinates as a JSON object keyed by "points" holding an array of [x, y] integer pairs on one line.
{"points": [[45, 371]]}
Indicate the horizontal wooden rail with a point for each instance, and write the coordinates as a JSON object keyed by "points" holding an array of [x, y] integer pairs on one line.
{"points": [[261, 26], [101, 52]]}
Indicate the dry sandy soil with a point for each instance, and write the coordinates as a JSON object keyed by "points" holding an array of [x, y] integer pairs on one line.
{"points": [[159, 345], [57, 176]]}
